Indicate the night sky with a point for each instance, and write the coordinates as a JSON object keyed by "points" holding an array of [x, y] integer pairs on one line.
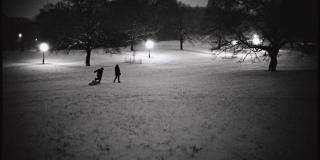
{"points": [[29, 8]]}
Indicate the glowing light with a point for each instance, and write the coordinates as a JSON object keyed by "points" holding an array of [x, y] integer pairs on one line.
{"points": [[234, 42], [149, 44], [256, 40], [44, 47], [36, 39], [20, 35]]}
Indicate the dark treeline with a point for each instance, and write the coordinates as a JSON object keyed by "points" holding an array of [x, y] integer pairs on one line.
{"points": [[88, 24], [11, 27], [111, 24]]}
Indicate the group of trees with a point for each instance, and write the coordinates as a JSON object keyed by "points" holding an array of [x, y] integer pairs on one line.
{"points": [[110, 24], [277, 22], [88, 24], [11, 27]]}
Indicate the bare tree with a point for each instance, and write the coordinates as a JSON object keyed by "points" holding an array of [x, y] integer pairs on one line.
{"points": [[242, 19], [135, 19]]}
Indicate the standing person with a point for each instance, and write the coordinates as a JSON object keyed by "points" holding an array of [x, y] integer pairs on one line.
{"points": [[117, 73]]}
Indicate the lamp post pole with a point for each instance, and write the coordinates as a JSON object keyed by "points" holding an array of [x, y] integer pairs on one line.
{"points": [[42, 57], [20, 42], [149, 45], [44, 47]]}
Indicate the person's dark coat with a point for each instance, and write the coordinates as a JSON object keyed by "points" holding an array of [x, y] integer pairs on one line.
{"points": [[117, 70], [117, 73], [99, 72]]}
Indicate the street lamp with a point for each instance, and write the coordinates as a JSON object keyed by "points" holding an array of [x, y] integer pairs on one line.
{"points": [[234, 42], [256, 40], [149, 45], [44, 47], [20, 42]]}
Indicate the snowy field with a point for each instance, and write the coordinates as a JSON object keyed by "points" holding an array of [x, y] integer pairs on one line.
{"points": [[177, 105]]}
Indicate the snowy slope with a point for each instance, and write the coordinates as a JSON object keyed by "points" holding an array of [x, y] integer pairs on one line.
{"points": [[187, 104]]}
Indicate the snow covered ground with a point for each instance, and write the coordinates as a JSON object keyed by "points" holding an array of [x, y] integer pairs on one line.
{"points": [[183, 105]]}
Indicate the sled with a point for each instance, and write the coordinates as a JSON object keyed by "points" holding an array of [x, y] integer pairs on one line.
{"points": [[94, 82]]}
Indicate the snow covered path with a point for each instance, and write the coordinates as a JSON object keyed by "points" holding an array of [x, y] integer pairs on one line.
{"points": [[176, 105]]}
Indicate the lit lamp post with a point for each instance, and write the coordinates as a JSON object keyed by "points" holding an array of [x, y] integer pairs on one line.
{"points": [[234, 43], [20, 41], [149, 45], [44, 47], [36, 44], [256, 40]]}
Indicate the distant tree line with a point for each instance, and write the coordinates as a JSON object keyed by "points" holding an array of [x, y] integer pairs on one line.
{"points": [[10, 29], [89, 24], [111, 24]]}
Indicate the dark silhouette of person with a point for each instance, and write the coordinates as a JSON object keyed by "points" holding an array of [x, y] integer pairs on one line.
{"points": [[99, 74], [117, 73]]}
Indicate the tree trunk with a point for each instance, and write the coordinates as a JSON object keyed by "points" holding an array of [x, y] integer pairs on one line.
{"points": [[273, 54], [291, 44], [131, 43], [219, 42], [88, 57], [181, 42]]}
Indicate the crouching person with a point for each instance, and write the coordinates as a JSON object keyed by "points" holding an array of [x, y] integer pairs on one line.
{"points": [[99, 74], [97, 80]]}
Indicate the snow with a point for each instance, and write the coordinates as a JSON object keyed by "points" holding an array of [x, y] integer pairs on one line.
{"points": [[187, 104]]}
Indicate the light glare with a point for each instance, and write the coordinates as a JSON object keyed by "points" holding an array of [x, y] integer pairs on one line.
{"points": [[44, 47], [234, 42], [149, 44], [256, 40], [20, 35]]}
